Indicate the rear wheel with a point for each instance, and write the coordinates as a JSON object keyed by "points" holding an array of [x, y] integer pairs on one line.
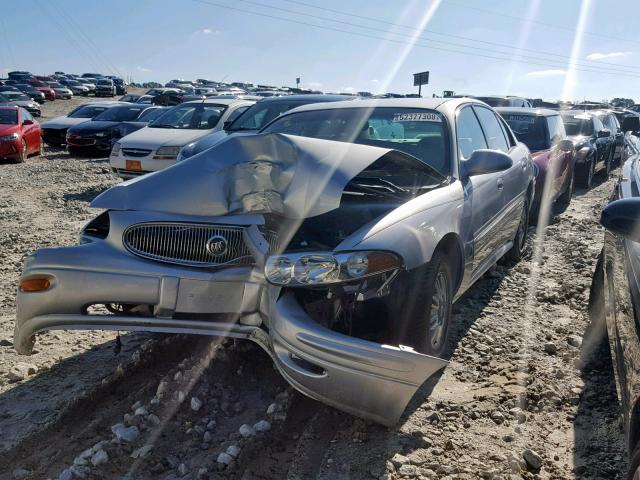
{"points": [[584, 173], [519, 242], [563, 201]]}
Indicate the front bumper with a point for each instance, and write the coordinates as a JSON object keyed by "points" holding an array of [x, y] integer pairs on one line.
{"points": [[89, 142], [128, 166], [360, 377], [11, 149]]}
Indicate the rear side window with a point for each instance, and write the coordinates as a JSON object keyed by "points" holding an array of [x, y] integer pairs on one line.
{"points": [[492, 130], [556, 129], [469, 133]]}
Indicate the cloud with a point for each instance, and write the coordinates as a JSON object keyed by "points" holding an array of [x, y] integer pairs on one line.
{"points": [[206, 31], [600, 56], [143, 69], [547, 73]]}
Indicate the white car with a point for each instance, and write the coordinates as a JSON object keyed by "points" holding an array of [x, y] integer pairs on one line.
{"points": [[157, 145]]}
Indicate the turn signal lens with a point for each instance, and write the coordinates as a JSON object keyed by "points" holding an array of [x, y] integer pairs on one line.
{"points": [[35, 285]]}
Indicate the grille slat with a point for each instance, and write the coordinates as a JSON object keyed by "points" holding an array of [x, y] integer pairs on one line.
{"points": [[186, 243]]}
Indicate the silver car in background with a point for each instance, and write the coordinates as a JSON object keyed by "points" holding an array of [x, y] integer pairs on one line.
{"points": [[337, 239]]}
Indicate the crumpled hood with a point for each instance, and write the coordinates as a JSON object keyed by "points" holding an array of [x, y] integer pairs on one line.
{"points": [[63, 122], [296, 177], [152, 138]]}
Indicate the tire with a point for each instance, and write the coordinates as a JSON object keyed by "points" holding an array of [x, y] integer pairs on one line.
{"points": [[39, 150], [584, 173], [427, 307], [23, 152], [595, 340], [563, 201], [517, 251]]}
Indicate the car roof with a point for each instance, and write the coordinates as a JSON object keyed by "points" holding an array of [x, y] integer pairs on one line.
{"points": [[585, 113], [426, 103], [219, 101], [304, 97], [541, 112]]}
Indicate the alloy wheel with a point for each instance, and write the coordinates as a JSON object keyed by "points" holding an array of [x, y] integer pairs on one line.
{"points": [[439, 309], [23, 153]]}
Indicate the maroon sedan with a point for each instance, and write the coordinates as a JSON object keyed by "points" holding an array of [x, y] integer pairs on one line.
{"points": [[49, 93], [553, 155], [19, 134]]}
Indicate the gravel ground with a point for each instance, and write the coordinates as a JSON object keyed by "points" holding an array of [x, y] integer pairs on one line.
{"points": [[514, 403]]}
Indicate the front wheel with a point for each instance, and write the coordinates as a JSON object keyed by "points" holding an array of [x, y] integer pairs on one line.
{"points": [[428, 307], [585, 172], [520, 240], [23, 153]]}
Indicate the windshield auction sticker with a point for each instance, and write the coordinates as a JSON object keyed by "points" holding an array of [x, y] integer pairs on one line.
{"points": [[521, 118], [416, 117]]}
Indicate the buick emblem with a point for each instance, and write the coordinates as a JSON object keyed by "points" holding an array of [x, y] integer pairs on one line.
{"points": [[217, 245]]}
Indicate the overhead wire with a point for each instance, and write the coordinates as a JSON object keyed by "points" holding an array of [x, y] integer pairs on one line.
{"points": [[450, 35], [537, 62]]}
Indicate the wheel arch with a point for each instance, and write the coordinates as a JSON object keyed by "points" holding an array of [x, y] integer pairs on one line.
{"points": [[451, 246]]}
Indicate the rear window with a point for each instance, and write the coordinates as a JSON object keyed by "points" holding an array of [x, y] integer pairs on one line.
{"points": [[577, 125], [529, 129]]}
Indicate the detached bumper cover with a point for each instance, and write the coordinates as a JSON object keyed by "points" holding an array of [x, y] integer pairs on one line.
{"points": [[360, 377]]}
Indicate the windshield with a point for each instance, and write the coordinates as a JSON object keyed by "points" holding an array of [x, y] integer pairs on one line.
{"points": [[119, 114], [151, 114], [17, 97], [418, 132], [104, 82], [530, 130], [87, 111], [199, 116], [576, 126], [8, 117], [261, 113]]}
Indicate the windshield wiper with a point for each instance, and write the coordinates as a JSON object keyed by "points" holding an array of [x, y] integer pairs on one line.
{"points": [[162, 125]]}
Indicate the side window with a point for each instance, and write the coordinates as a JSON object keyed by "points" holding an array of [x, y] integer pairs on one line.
{"points": [[469, 133], [597, 125], [556, 129], [492, 130], [236, 113]]}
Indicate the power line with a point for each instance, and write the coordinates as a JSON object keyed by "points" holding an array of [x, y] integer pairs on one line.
{"points": [[449, 35], [350, 24], [537, 22], [431, 47]]}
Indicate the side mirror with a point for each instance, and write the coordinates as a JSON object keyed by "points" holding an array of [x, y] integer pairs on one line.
{"points": [[486, 161], [565, 145], [631, 124], [27, 122], [622, 217], [604, 133]]}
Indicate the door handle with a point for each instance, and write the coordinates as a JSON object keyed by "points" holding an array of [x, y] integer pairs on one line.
{"points": [[500, 183]]}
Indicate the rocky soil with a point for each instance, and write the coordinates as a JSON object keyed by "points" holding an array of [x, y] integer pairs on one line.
{"points": [[514, 403]]}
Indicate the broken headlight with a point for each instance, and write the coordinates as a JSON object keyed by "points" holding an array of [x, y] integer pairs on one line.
{"points": [[322, 268]]}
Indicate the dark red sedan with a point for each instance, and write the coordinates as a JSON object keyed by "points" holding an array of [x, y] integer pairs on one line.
{"points": [[542, 131], [19, 134], [49, 93]]}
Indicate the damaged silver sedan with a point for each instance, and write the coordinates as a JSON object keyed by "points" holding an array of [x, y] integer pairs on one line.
{"points": [[337, 239]]}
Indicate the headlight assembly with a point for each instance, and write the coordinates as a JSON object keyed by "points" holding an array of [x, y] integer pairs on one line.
{"points": [[9, 138], [115, 151], [323, 268], [166, 153], [583, 152]]}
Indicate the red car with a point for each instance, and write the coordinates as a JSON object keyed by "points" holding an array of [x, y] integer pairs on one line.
{"points": [[542, 131], [19, 134], [49, 93]]}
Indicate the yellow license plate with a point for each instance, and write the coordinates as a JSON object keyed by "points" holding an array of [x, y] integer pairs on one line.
{"points": [[134, 165]]}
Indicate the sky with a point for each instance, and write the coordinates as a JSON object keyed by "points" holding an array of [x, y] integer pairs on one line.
{"points": [[551, 49]]}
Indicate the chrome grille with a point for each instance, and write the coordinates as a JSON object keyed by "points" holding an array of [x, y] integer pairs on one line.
{"points": [[187, 243], [136, 152]]}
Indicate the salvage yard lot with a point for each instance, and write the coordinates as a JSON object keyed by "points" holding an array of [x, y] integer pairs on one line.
{"points": [[513, 403]]}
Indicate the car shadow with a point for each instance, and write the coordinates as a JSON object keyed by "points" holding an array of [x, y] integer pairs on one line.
{"points": [[87, 195]]}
